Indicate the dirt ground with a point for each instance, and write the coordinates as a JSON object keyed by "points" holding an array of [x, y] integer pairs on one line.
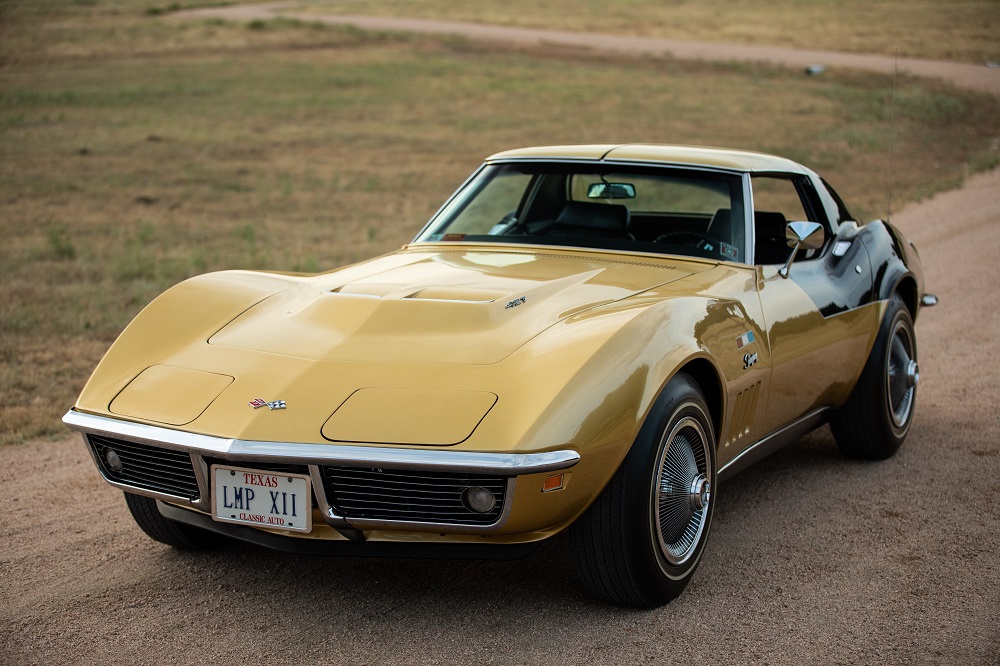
{"points": [[813, 559]]}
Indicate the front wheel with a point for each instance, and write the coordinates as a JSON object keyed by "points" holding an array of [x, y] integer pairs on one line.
{"points": [[876, 418], [157, 527], [642, 539]]}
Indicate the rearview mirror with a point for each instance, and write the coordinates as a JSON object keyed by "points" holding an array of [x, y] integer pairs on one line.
{"points": [[611, 191]]}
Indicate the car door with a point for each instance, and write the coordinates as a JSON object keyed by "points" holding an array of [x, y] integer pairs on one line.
{"points": [[820, 318]]}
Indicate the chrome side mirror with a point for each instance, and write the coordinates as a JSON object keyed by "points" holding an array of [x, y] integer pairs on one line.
{"points": [[802, 236]]}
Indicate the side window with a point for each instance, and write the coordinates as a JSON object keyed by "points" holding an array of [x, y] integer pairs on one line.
{"points": [[777, 195], [776, 202]]}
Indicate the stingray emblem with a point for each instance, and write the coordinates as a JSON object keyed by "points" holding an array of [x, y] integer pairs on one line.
{"points": [[260, 402], [749, 359]]}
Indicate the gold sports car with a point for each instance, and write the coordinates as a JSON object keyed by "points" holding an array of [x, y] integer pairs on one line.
{"points": [[583, 338]]}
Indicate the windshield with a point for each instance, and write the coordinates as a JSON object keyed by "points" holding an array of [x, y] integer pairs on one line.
{"points": [[643, 209]]}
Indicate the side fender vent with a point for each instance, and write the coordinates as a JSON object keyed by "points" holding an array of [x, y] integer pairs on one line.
{"points": [[743, 412]]}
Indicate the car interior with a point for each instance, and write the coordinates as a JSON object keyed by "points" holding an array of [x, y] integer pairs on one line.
{"points": [[669, 211]]}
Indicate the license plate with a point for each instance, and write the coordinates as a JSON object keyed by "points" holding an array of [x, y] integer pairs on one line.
{"points": [[261, 498]]}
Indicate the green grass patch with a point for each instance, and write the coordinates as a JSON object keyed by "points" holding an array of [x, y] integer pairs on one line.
{"points": [[964, 30]]}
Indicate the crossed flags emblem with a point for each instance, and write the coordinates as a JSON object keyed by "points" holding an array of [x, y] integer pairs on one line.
{"points": [[260, 402]]}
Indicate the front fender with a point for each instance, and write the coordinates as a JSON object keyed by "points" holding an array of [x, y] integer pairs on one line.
{"points": [[188, 313], [596, 378]]}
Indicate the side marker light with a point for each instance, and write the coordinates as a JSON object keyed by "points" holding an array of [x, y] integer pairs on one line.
{"points": [[554, 482]]}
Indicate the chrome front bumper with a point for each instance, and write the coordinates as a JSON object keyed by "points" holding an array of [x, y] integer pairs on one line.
{"points": [[316, 457]]}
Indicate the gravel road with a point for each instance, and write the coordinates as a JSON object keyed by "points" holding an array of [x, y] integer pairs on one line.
{"points": [[813, 559]]}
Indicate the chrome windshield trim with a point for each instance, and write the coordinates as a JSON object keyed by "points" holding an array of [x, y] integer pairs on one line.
{"points": [[749, 238], [506, 464]]}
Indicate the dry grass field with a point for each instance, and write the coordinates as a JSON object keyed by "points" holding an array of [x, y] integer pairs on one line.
{"points": [[136, 150], [964, 30]]}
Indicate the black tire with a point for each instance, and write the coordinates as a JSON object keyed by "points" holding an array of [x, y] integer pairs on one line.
{"points": [[151, 521], [642, 539], [877, 416]]}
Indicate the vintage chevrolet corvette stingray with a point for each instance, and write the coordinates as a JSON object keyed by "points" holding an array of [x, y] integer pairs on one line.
{"points": [[586, 338]]}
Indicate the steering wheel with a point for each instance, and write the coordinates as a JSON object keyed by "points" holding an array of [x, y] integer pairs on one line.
{"points": [[701, 240], [508, 224]]}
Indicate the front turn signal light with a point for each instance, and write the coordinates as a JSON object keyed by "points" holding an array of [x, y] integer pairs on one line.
{"points": [[554, 482]]}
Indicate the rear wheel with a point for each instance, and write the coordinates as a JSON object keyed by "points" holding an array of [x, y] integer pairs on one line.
{"points": [[642, 539], [151, 521], [876, 418]]}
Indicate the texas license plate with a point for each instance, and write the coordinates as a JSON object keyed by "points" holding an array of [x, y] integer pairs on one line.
{"points": [[261, 498]]}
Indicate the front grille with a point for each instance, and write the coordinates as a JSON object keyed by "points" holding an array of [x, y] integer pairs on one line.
{"points": [[147, 467], [410, 496]]}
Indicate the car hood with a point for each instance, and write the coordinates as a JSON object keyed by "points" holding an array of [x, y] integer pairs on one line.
{"points": [[468, 306]]}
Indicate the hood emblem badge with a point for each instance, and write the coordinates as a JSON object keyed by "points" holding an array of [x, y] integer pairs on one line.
{"points": [[514, 303], [260, 402]]}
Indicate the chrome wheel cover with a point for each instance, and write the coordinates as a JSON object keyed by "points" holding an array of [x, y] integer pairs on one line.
{"points": [[901, 374], [682, 491]]}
